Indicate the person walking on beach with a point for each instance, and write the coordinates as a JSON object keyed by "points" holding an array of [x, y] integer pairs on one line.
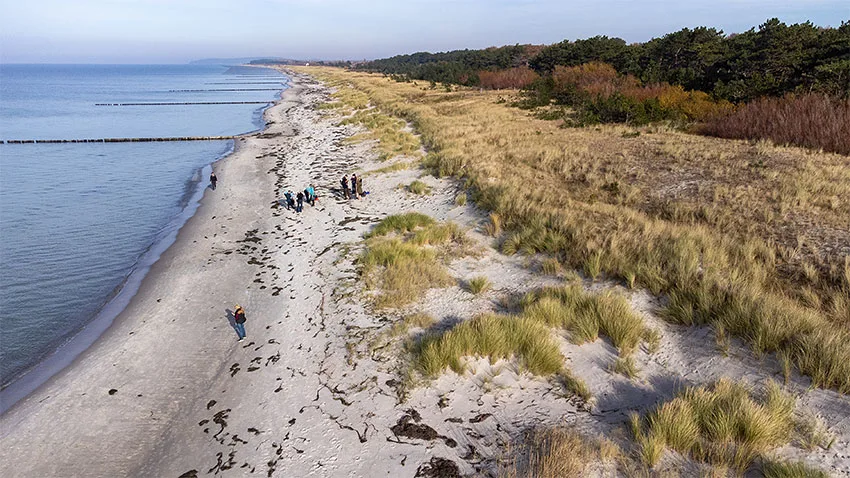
{"points": [[344, 182], [359, 187], [213, 179], [299, 206], [290, 203], [354, 186], [239, 319]]}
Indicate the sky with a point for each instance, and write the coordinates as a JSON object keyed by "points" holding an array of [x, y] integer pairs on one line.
{"points": [[178, 31]]}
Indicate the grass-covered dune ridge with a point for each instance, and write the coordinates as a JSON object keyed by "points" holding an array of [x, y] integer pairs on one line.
{"points": [[750, 237]]}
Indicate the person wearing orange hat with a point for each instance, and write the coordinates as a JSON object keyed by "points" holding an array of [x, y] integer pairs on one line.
{"points": [[239, 318]]}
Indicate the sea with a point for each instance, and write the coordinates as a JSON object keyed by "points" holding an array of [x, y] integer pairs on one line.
{"points": [[81, 223]]}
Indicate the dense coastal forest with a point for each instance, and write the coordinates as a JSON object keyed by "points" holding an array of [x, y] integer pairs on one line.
{"points": [[787, 83], [772, 59]]}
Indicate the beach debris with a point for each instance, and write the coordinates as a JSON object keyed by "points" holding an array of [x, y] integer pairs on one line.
{"points": [[438, 468]]}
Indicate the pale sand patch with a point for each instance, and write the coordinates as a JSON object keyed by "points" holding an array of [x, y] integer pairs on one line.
{"points": [[304, 395]]}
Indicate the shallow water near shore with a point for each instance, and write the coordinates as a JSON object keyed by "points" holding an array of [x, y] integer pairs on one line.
{"points": [[81, 223]]}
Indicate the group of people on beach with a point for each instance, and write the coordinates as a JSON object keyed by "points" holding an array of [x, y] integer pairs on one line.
{"points": [[353, 188], [296, 201]]}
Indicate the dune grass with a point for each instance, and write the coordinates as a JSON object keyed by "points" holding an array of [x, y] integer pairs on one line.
{"points": [[401, 261], [479, 284], [586, 315], [733, 232], [528, 337], [497, 337], [781, 469], [401, 223], [625, 366], [418, 187], [420, 320], [557, 452], [393, 139], [494, 336], [724, 424], [551, 266], [399, 166]]}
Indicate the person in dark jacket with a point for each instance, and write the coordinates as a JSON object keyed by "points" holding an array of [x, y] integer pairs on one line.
{"points": [[239, 319], [345, 192], [354, 186], [290, 202], [213, 179], [299, 205]]}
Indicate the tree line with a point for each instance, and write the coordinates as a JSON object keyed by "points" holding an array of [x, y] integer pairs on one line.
{"points": [[771, 60]]}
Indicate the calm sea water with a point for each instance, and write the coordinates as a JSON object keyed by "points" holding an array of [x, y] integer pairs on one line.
{"points": [[80, 221]]}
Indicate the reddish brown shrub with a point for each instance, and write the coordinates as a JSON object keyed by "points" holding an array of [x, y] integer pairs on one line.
{"points": [[811, 120], [514, 78], [595, 79], [598, 82]]}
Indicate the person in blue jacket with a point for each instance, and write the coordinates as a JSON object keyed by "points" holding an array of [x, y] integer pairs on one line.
{"points": [[239, 319]]}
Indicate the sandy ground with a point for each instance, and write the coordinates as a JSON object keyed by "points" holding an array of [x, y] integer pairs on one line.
{"points": [[170, 392]]}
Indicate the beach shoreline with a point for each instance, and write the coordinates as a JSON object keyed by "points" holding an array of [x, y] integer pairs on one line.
{"points": [[67, 351], [112, 337]]}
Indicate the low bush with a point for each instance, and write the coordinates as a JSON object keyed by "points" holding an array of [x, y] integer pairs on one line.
{"points": [[811, 120], [513, 78]]}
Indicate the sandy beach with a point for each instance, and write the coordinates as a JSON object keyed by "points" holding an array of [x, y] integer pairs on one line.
{"points": [[169, 391]]}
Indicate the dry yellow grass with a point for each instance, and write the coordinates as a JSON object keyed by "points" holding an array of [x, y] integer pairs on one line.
{"points": [[418, 187], [586, 315], [558, 453], [401, 261], [392, 134], [723, 424], [748, 235]]}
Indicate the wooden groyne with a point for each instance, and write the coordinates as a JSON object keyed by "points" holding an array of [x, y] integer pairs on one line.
{"points": [[117, 140], [187, 103], [246, 83]]}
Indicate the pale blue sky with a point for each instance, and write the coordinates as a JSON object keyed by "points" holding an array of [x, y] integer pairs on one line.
{"points": [[176, 31]]}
